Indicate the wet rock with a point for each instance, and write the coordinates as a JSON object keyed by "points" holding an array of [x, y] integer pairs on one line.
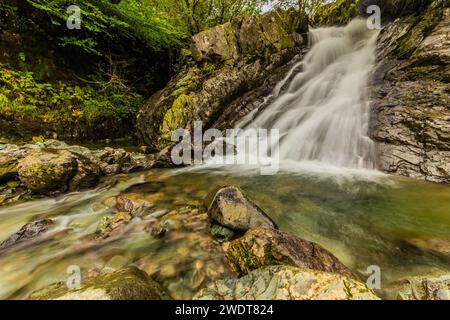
{"points": [[125, 284], [232, 209], [155, 230], [263, 247], [29, 231], [411, 114], [164, 159], [287, 283], [229, 61], [221, 233], [124, 205], [111, 226], [435, 246], [87, 174], [424, 288]]}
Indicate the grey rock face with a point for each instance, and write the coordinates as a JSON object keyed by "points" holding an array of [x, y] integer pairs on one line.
{"points": [[411, 96]]}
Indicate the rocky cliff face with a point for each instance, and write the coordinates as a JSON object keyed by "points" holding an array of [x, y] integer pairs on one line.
{"points": [[231, 66], [411, 95]]}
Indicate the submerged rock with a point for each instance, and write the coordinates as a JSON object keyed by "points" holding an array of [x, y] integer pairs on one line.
{"points": [[125, 284], [436, 246], [424, 288], [113, 225], [124, 205], [287, 283], [232, 209], [29, 231], [262, 247], [221, 233]]}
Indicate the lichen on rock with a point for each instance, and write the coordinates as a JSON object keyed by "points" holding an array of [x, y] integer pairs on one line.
{"points": [[287, 283]]}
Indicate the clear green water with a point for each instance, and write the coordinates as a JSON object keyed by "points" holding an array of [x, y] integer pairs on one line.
{"points": [[363, 221]]}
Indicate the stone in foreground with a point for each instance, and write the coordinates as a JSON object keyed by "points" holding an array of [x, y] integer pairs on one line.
{"points": [[29, 231], [287, 283], [264, 247], [425, 288], [125, 284], [232, 209]]}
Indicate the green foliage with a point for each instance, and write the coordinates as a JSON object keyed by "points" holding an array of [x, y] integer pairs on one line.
{"points": [[21, 96], [102, 20]]}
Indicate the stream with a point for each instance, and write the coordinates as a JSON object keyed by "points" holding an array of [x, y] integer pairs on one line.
{"points": [[364, 218]]}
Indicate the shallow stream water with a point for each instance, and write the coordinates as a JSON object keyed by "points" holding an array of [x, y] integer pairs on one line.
{"points": [[363, 218]]}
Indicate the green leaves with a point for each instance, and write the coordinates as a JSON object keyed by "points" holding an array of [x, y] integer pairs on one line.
{"points": [[22, 96]]}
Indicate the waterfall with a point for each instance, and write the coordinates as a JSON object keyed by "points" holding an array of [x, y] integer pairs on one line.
{"points": [[323, 113]]}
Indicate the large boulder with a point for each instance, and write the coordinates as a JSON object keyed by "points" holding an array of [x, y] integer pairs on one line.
{"points": [[47, 171], [411, 110], [264, 247], [228, 62], [287, 283], [125, 284], [230, 208]]}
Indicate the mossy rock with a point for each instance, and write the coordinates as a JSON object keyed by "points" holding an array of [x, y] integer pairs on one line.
{"points": [[221, 233], [263, 246], [8, 168], [125, 284], [46, 171]]}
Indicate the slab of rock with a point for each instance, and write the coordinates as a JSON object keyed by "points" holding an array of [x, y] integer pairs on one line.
{"points": [[287, 283], [230, 208], [424, 288], [29, 231], [262, 247], [125, 284]]}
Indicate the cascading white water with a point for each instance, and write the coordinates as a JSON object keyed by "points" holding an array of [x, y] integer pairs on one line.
{"points": [[323, 115]]}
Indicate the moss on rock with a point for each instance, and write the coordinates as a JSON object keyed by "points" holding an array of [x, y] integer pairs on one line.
{"points": [[125, 284]]}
